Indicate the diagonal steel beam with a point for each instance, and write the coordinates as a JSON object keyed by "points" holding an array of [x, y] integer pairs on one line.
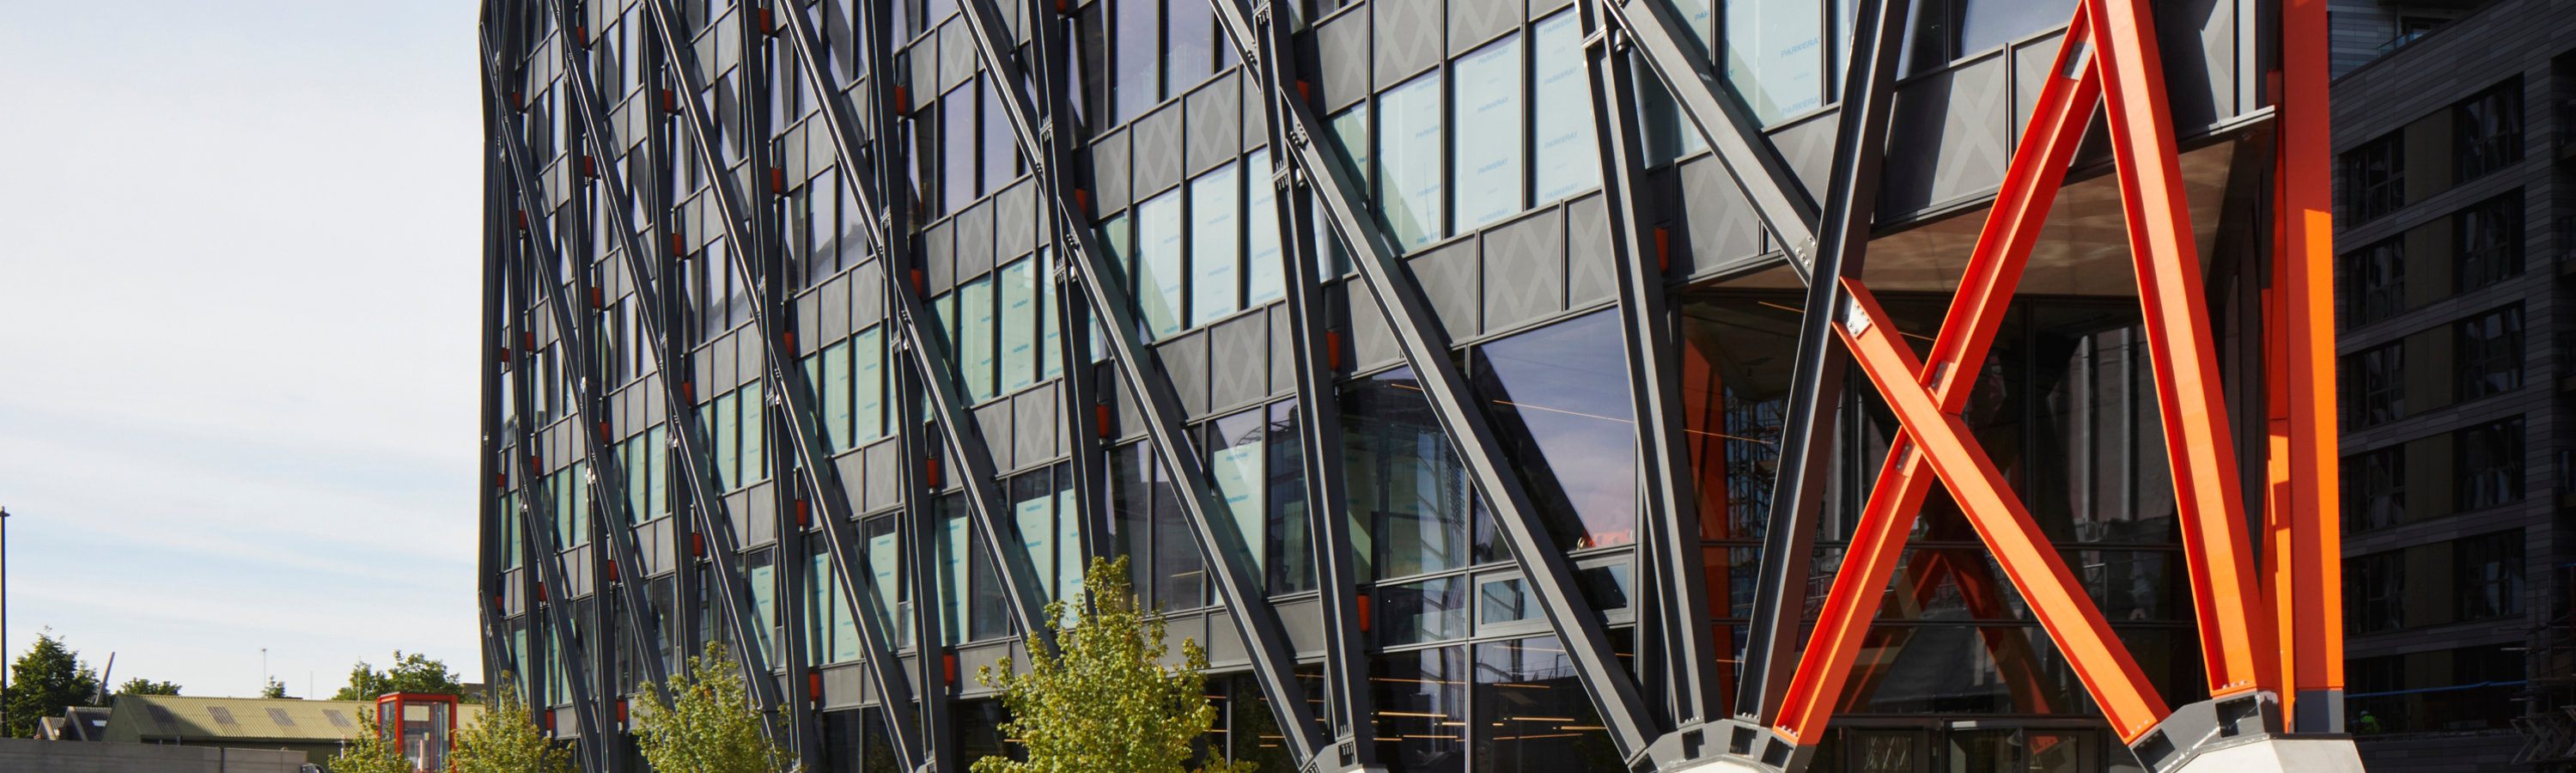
{"points": [[1048, 142], [1675, 639], [1816, 384], [496, 244], [1631, 724], [1346, 693], [1681, 63], [881, 664], [966, 442], [545, 548], [734, 591]]}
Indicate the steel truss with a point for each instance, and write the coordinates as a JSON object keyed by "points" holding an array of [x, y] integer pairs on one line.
{"points": [[1048, 143], [2108, 55]]}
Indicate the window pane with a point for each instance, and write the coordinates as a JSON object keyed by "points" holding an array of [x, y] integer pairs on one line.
{"points": [[1567, 428], [955, 546], [1351, 131], [1775, 55], [1420, 699], [727, 428], [975, 337], [957, 148], [1531, 713], [885, 563], [1422, 612], [1410, 145], [755, 433], [1001, 145], [1566, 161], [836, 395], [1292, 544], [1489, 157], [870, 373], [1069, 564], [1134, 85], [1158, 264], [764, 603], [1192, 55], [1180, 573], [1215, 245], [1033, 512], [1019, 325], [1235, 460], [1403, 479], [1265, 267]]}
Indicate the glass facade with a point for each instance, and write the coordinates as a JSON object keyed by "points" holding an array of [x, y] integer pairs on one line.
{"points": [[1476, 155]]}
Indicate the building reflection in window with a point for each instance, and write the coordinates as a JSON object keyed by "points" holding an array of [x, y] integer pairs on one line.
{"points": [[1530, 712]]}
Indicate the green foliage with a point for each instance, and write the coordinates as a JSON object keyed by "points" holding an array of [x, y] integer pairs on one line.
{"points": [[410, 673], [710, 725], [366, 751], [142, 686], [1105, 703], [506, 739], [275, 689], [46, 680]]}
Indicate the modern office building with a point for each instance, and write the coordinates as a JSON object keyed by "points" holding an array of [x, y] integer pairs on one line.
{"points": [[2452, 231], [1492, 385]]}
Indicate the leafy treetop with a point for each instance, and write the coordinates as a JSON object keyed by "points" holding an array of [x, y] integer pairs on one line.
{"points": [[1105, 703], [46, 680], [410, 673], [710, 725], [142, 686], [506, 739]]}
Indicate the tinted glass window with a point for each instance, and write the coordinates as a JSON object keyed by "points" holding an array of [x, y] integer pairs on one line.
{"points": [[1489, 153], [1565, 159], [1558, 397], [1409, 185], [1216, 246]]}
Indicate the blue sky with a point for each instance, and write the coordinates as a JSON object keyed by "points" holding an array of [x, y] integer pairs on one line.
{"points": [[238, 298]]}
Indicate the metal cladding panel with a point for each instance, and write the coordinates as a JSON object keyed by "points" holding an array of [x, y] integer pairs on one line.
{"points": [[844, 686], [867, 294], [975, 241], [853, 468], [1719, 226], [939, 256], [1015, 221], [737, 512], [1472, 22], [1372, 345], [1186, 626], [1034, 415], [1283, 364], [884, 466], [1965, 155], [835, 310], [1589, 275], [1214, 112], [2031, 63], [657, 545], [1185, 362], [748, 356], [994, 420], [956, 53], [1408, 38], [1224, 640], [1343, 43], [1304, 620], [809, 315], [1808, 146], [1123, 403], [1158, 135], [1238, 361], [1525, 269], [921, 62], [1448, 278], [1109, 171], [1256, 114], [974, 657]]}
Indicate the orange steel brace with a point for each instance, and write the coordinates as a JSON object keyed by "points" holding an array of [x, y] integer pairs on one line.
{"points": [[2058, 117], [2036, 570], [2304, 536], [2235, 636]]}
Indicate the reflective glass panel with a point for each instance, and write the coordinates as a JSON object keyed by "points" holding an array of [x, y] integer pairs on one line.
{"points": [[1775, 55], [836, 395], [1019, 356], [1292, 549], [1136, 80], [1158, 263], [1351, 131], [1489, 152], [1564, 158], [1410, 497], [1531, 715], [869, 394], [1265, 265], [1409, 187], [1559, 402], [884, 567], [1419, 702], [1422, 612], [975, 337], [764, 602], [1215, 245], [1235, 459], [957, 148], [1050, 343], [1033, 512]]}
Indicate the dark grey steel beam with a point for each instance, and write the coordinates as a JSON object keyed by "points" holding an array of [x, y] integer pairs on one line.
{"points": [[929, 350], [1682, 64], [590, 108], [734, 591], [1427, 349], [1048, 142], [545, 549], [489, 468], [1860, 144], [1319, 424], [1676, 640]]}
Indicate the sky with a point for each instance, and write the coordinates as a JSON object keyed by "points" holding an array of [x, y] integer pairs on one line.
{"points": [[239, 287]]}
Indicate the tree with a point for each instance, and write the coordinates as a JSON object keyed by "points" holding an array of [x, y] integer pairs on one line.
{"points": [[142, 686], [1105, 703], [367, 751], [506, 739], [410, 673], [275, 689], [710, 725], [49, 678]]}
